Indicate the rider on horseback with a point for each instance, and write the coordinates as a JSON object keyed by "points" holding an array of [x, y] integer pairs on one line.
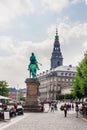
{"points": [[33, 66], [33, 60]]}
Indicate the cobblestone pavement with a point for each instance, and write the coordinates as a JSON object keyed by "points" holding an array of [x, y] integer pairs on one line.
{"points": [[46, 121]]}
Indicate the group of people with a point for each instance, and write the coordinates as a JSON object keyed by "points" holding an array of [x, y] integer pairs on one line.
{"points": [[68, 107], [53, 106]]}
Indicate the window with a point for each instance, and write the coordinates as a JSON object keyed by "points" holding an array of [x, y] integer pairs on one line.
{"points": [[63, 79], [58, 63], [67, 80], [73, 74], [69, 74], [58, 79], [65, 73], [70, 80], [61, 73]]}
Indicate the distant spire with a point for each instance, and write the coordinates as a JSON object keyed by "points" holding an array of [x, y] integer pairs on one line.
{"points": [[56, 58], [56, 31], [56, 37]]}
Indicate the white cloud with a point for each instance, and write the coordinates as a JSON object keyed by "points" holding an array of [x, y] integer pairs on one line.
{"points": [[76, 1], [9, 9], [73, 31], [55, 5], [6, 44], [86, 1], [85, 44], [73, 37]]}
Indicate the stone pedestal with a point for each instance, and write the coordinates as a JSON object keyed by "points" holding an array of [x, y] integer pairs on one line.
{"points": [[32, 103]]}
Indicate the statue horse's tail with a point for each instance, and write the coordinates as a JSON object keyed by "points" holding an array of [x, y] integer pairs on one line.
{"points": [[29, 70]]}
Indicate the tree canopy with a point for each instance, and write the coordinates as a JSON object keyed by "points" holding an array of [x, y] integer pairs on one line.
{"points": [[80, 81], [4, 91]]}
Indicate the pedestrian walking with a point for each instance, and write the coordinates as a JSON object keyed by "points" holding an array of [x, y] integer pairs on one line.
{"points": [[55, 106], [42, 107], [72, 106], [65, 110], [52, 107], [77, 110]]}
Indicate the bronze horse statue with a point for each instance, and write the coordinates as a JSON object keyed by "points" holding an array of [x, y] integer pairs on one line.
{"points": [[33, 70]]}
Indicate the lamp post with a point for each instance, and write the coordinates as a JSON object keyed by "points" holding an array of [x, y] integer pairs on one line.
{"points": [[17, 97]]}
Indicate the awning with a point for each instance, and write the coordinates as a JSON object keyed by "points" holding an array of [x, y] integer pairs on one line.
{"points": [[3, 97]]}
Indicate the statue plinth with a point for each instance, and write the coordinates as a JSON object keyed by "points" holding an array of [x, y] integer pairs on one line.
{"points": [[32, 102]]}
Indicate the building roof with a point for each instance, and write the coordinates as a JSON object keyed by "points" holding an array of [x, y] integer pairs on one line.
{"points": [[65, 68], [22, 90], [12, 89], [61, 68]]}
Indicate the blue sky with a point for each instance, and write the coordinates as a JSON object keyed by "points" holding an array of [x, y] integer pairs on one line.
{"points": [[29, 26]]}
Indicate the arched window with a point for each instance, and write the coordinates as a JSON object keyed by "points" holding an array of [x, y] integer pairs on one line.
{"points": [[58, 63]]}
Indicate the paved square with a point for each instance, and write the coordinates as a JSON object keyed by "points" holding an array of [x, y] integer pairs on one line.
{"points": [[46, 121]]}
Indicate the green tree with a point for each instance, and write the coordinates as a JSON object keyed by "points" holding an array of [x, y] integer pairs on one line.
{"points": [[4, 91], [80, 81], [59, 96], [68, 96]]}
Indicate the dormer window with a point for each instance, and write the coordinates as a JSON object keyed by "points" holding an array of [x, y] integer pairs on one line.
{"points": [[61, 73]]}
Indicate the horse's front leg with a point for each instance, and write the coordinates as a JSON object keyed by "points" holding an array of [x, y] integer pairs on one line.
{"points": [[34, 73]]}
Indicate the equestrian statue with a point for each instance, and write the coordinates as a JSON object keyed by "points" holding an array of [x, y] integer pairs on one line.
{"points": [[33, 66]]}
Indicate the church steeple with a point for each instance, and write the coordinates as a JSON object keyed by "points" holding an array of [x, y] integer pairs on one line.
{"points": [[56, 37], [56, 58]]}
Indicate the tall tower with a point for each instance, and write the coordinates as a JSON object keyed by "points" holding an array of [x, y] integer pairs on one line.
{"points": [[56, 58]]}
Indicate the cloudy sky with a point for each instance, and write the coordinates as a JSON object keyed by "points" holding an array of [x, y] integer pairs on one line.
{"points": [[29, 26]]}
